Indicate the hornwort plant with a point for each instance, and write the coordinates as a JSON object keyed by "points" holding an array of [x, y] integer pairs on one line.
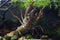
{"points": [[27, 20]]}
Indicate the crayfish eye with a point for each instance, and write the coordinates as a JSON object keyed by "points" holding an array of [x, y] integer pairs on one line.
{"points": [[27, 18]]}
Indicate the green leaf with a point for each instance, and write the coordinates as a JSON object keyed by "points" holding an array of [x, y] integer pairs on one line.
{"points": [[58, 31], [37, 3], [14, 37], [28, 36]]}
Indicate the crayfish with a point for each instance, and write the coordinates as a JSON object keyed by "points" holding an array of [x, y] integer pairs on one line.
{"points": [[27, 20]]}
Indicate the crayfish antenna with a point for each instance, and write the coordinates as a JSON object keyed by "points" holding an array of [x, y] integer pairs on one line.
{"points": [[27, 9], [39, 16], [31, 14], [15, 16], [21, 15]]}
